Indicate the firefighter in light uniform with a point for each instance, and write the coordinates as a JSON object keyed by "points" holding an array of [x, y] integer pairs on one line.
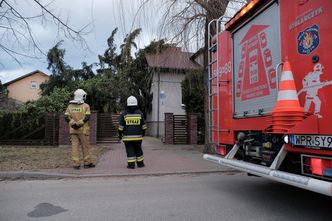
{"points": [[132, 130], [77, 115]]}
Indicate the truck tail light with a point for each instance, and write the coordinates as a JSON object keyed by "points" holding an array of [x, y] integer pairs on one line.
{"points": [[313, 165], [316, 166], [220, 150]]}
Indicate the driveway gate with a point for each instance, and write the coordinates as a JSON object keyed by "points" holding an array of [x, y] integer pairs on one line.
{"points": [[107, 127], [180, 129]]}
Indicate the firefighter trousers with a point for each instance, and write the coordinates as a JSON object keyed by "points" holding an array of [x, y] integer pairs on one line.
{"points": [[80, 142], [134, 153]]}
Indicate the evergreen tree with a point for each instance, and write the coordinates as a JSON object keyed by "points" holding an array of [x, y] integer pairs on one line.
{"points": [[110, 57], [62, 74], [193, 98]]}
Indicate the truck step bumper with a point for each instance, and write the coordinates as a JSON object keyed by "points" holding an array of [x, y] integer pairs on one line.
{"points": [[312, 184]]}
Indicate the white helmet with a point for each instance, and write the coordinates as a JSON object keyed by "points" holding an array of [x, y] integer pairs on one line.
{"points": [[131, 101], [318, 67], [79, 96]]}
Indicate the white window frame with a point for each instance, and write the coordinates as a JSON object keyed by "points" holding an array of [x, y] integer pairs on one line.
{"points": [[34, 85]]}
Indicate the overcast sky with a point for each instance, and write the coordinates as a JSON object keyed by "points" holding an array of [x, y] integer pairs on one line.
{"points": [[102, 15]]}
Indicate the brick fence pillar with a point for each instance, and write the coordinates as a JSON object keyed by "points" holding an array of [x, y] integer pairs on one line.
{"points": [[93, 127], [169, 133], [192, 128], [63, 131], [64, 137]]}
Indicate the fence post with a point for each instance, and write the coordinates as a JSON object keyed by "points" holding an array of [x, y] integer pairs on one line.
{"points": [[192, 128], [169, 130]]}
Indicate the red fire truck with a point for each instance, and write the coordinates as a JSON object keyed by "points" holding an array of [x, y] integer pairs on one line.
{"points": [[270, 92]]}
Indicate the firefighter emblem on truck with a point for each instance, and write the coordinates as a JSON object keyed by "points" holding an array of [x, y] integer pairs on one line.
{"points": [[311, 85], [256, 76], [308, 40]]}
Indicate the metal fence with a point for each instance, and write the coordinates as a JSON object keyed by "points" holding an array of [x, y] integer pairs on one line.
{"points": [[44, 131], [41, 131]]}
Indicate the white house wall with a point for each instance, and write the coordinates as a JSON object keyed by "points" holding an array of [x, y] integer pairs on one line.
{"points": [[170, 100]]}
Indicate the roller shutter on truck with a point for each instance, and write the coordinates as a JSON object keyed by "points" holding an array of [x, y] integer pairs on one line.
{"points": [[256, 53]]}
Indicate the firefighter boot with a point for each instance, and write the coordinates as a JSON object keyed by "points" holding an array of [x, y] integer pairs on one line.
{"points": [[140, 163], [131, 165], [90, 165]]}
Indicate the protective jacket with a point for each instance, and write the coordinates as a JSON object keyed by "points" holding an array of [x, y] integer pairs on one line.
{"points": [[78, 114], [132, 125]]}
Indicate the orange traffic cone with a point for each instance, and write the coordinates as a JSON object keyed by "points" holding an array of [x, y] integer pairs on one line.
{"points": [[287, 112]]}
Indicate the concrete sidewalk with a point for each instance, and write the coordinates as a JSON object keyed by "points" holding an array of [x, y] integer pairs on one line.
{"points": [[160, 159]]}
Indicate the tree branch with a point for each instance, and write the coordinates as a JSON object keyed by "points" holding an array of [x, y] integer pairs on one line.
{"points": [[17, 37]]}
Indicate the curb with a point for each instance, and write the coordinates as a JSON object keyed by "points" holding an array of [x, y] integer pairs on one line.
{"points": [[42, 175]]}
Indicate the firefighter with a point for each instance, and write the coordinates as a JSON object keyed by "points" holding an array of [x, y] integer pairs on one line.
{"points": [[77, 115], [132, 130]]}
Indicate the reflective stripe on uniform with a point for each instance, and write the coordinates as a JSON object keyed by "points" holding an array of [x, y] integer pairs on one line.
{"points": [[87, 157], [76, 110], [120, 127], [131, 159], [132, 120], [144, 127], [132, 115], [132, 138], [139, 159], [75, 158]]}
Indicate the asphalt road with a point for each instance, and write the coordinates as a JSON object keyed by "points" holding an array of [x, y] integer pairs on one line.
{"points": [[172, 197]]}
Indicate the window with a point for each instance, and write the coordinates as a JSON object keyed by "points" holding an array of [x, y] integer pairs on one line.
{"points": [[34, 85]]}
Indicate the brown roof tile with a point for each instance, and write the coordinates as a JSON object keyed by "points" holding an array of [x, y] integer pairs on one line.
{"points": [[172, 58]]}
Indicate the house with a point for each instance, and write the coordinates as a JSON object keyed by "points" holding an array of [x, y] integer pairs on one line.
{"points": [[168, 68], [26, 87], [198, 57]]}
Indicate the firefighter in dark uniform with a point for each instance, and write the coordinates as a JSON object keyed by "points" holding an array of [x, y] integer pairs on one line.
{"points": [[77, 115], [132, 130]]}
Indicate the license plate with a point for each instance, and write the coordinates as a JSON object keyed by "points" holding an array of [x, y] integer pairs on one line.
{"points": [[312, 141]]}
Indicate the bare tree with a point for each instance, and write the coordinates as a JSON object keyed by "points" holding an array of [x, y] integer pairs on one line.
{"points": [[184, 22], [17, 37]]}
